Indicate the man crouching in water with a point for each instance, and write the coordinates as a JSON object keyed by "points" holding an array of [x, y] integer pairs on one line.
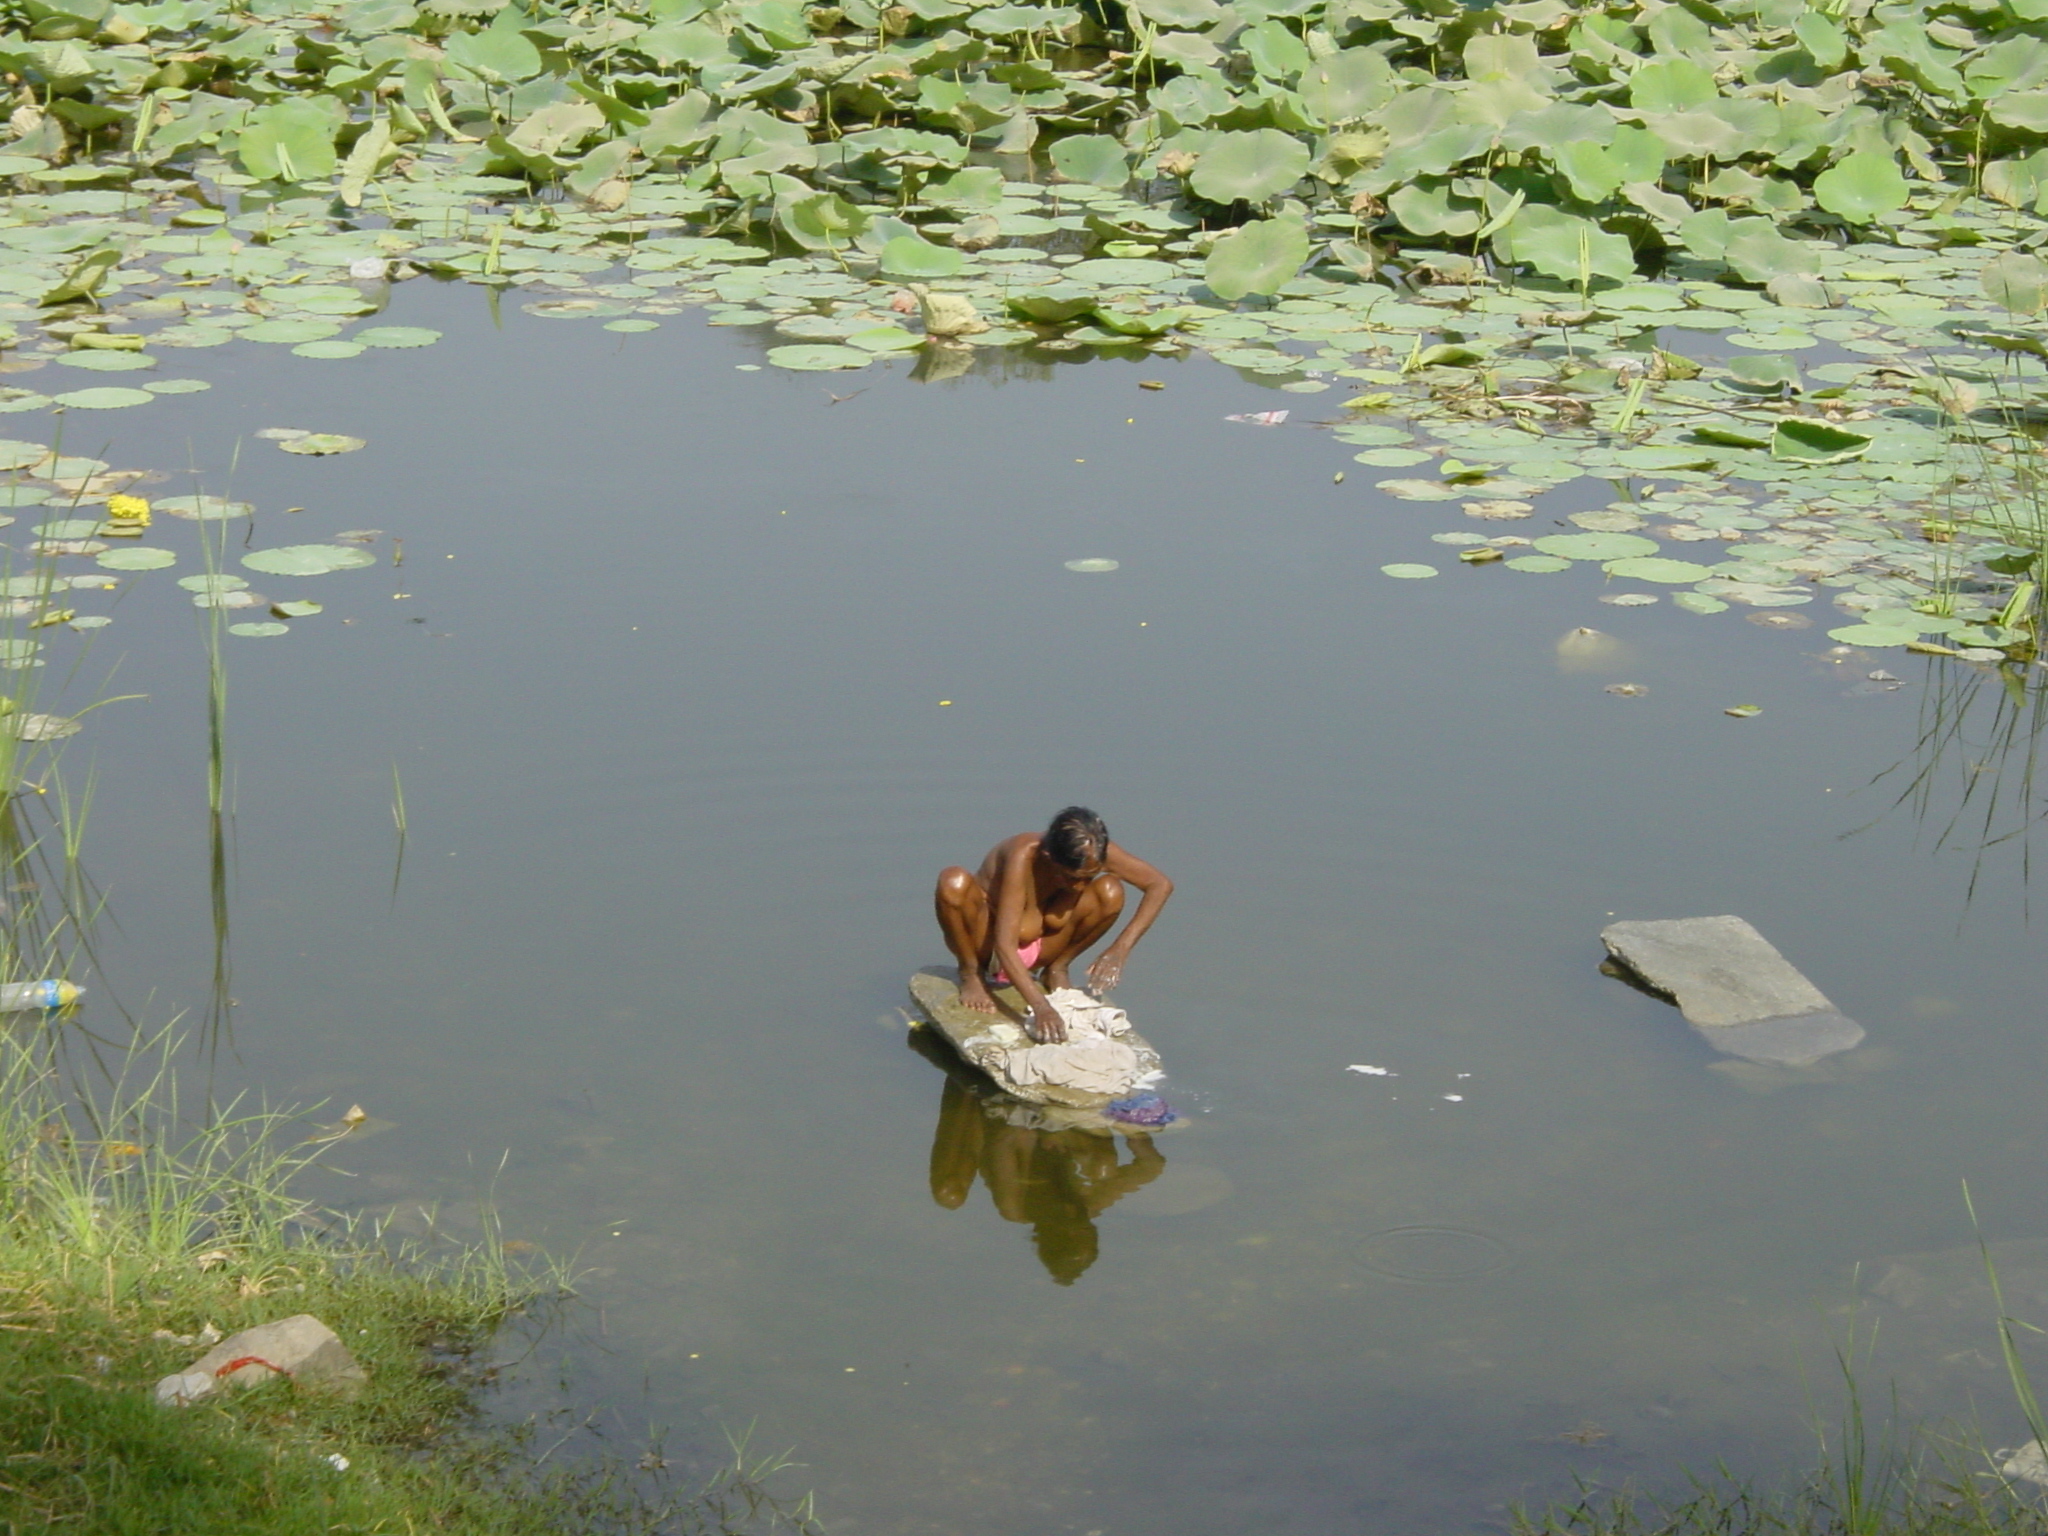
{"points": [[1039, 900]]}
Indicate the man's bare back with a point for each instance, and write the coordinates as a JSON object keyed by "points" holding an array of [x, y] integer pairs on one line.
{"points": [[1036, 905]]}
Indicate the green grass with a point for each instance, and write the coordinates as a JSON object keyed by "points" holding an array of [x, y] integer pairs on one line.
{"points": [[128, 1228], [1889, 1485]]}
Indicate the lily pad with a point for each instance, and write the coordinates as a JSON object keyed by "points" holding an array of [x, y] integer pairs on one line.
{"points": [[1698, 602], [404, 335], [309, 559], [1872, 634], [321, 443], [329, 349], [1815, 442], [108, 362], [177, 386], [1657, 568], [30, 727], [819, 357], [253, 631], [203, 509], [1092, 566], [105, 398], [298, 608], [1538, 563], [213, 581], [1407, 572], [136, 558], [1597, 546]]}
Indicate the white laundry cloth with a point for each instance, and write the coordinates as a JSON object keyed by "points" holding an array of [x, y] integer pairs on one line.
{"points": [[1093, 1059]]}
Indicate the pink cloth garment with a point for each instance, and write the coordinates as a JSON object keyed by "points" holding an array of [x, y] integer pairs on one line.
{"points": [[1028, 953]]}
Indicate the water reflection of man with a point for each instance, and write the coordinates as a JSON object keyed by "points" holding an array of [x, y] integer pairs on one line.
{"points": [[1055, 1182]]}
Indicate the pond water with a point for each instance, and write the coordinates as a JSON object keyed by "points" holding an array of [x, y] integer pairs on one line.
{"points": [[694, 677]]}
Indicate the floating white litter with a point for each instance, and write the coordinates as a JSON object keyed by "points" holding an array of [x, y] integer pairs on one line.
{"points": [[1372, 1071]]}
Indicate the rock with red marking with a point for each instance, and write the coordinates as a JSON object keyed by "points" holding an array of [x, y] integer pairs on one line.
{"points": [[302, 1349]]}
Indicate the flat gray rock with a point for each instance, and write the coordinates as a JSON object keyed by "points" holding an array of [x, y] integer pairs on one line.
{"points": [[1744, 997], [302, 1348]]}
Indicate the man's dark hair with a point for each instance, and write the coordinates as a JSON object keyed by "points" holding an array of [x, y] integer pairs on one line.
{"points": [[1076, 838]]}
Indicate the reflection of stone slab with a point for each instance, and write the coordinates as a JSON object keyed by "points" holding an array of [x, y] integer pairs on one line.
{"points": [[1743, 997]]}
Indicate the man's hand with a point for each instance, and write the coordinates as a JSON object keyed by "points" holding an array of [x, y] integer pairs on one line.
{"points": [[1046, 1026], [1106, 972]]}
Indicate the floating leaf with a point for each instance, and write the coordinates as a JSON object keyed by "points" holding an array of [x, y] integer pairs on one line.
{"points": [[2018, 280], [1249, 166], [1597, 546], [1861, 185], [26, 727], [328, 349], [397, 336], [1091, 566], [253, 630], [1744, 711], [1256, 258], [1408, 572], [136, 558], [205, 509], [1873, 634], [321, 443], [106, 398], [221, 581], [911, 257], [1655, 568], [1699, 602], [1538, 563], [308, 559], [298, 608], [819, 357], [107, 362], [1815, 442], [1092, 157]]}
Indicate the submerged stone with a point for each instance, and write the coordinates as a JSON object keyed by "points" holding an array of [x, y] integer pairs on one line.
{"points": [[1743, 997]]}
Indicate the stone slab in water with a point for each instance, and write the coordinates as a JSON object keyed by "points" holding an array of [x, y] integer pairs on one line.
{"points": [[981, 1038], [1744, 997]]}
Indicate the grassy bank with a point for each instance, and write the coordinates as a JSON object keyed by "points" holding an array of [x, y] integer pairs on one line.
{"points": [[132, 1235]]}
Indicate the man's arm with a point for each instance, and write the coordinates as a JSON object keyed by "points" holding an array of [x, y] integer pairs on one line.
{"points": [[1108, 968], [1041, 1021]]}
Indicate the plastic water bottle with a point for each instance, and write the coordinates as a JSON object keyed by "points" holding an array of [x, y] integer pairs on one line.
{"points": [[20, 996]]}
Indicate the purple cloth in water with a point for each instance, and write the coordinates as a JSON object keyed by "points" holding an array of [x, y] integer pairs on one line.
{"points": [[1142, 1109]]}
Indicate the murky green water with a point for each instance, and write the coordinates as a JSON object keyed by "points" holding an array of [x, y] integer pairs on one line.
{"points": [[662, 674]]}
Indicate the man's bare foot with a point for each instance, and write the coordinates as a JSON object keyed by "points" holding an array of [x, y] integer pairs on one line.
{"points": [[974, 993]]}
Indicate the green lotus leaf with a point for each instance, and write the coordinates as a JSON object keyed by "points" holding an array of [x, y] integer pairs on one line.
{"points": [[1815, 442], [1597, 546], [309, 559], [2017, 280], [1092, 157], [1861, 186], [292, 139], [1249, 166], [135, 557], [1256, 258], [1657, 568], [910, 256], [501, 55], [819, 357], [1563, 245]]}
